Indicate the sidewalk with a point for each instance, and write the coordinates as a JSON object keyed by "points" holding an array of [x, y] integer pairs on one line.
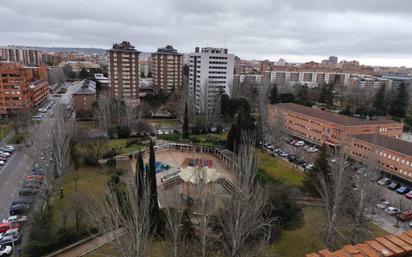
{"points": [[88, 246]]}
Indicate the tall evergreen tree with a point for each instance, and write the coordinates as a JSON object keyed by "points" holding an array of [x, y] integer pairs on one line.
{"points": [[154, 206], [140, 175], [379, 102], [230, 137], [321, 166], [273, 97], [185, 129], [399, 105]]}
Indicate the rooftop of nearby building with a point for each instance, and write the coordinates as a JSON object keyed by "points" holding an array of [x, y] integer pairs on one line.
{"points": [[88, 88], [332, 117], [388, 246], [124, 46], [395, 144], [167, 50]]}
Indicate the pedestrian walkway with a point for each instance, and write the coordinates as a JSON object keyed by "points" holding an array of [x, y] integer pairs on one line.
{"points": [[88, 245]]}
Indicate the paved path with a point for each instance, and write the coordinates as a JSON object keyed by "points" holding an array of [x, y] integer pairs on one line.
{"points": [[90, 245]]}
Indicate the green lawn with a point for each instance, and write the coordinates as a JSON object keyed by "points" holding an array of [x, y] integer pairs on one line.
{"points": [[4, 131], [120, 144], [91, 184], [165, 123], [308, 238], [279, 169]]}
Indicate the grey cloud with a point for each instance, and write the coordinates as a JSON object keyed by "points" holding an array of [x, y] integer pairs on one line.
{"points": [[370, 29]]}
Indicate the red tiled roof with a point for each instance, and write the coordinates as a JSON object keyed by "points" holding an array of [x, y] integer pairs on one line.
{"points": [[387, 246]]}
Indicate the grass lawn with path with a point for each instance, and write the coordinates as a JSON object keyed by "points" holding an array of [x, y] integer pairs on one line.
{"points": [[279, 169], [91, 184]]}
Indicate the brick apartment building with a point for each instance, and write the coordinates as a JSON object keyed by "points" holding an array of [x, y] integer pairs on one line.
{"points": [[390, 154], [123, 60], [84, 97], [322, 127], [166, 67], [21, 87]]}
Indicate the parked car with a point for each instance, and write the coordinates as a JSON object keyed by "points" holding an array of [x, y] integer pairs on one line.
{"points": [[403, 190], [6, 226], [7, 150], [28, 191], [30, 185], [2, 163], [300, 162], [15, 219], [293, 142], [299, 143], [394, 186], [5, 153], [409, 195], [309, 167], [311, 150], [43, 110], [383, 205], [22, 200], [291, 158], [10, 147], [12, 238], [384, 181], [405, 216], [283, 153], [34, 176], [5, 250], [392, 210]]}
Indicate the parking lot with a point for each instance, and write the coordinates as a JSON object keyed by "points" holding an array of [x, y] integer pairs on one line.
{"points": [[395, 215]]}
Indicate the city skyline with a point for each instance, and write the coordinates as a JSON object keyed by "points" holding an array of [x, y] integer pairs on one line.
{"points": [[373, 32]]}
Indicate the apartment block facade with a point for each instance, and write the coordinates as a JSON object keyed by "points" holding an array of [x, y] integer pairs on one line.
{"points": [[321, 77], [166, 67], [25, 56], [123, 61], [210, 74], [322, 127], [22, 88]]}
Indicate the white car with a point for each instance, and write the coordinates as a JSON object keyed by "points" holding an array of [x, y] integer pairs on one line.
{"points": [[43, 110], [5, 250], [2, 163], [300, 143], [5, 153], [311, 150], [383, 205], [10, 147], [384, 181], [15, 219], [392, 210]]}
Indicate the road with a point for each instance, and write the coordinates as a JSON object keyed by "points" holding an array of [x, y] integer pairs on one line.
{"points": [[19, 163]]}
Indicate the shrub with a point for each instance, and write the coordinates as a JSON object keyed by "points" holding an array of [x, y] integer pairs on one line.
{"points": [[91, 160], [123, 131], [109, 154]]}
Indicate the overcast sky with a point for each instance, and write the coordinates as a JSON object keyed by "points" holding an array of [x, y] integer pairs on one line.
{"points": [[377, 32]]}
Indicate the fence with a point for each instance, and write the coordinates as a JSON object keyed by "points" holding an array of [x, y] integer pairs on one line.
{"points": [[123, 161]]}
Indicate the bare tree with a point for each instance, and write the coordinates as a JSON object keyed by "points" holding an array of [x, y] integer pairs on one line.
{"points": [[206, 204], [173, 224], [97, 144], [65, 212], [277, 129], [332, 186], [364, 196], [125, 207], [104, 113], [61, 133], [263, 90], [243, 216]]}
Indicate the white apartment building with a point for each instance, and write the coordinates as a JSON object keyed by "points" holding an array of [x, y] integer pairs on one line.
{"points": [[316, 78], [210, 73]]}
